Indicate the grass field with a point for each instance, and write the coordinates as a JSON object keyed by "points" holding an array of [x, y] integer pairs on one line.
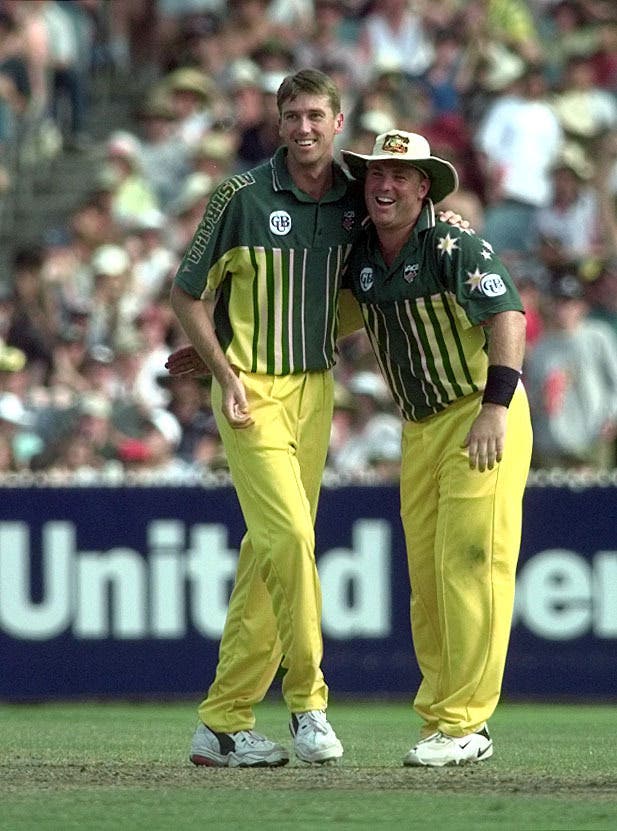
{"points": [[124, 766]]}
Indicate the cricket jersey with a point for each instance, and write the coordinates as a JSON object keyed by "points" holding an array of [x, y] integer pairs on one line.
{"points": [[273, 256], [422, 313]]}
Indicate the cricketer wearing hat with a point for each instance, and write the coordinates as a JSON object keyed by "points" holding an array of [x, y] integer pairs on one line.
{"points": [[447, 328]]}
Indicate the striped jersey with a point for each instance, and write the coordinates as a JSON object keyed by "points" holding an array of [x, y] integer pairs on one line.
{"points": [[273, 256], [422, 314]]}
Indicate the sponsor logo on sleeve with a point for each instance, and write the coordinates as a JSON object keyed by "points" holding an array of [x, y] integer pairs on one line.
{"points": [[492, 285], [489, 284]]}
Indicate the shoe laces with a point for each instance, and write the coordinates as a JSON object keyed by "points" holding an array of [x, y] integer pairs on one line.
{"points": [[314, 720], [436, 738], [249, 737]]}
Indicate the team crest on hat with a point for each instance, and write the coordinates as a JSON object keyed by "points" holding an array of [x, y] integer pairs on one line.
{"points": [[395, 143]]}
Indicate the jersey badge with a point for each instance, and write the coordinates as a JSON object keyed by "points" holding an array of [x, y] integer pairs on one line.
{"points": [[410, 272], [447, 244], [349, 220], [487, 250], [280, 223], [492, 285], [366, 278]]}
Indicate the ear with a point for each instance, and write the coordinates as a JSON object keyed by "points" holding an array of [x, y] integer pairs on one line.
{"points": [[338, 123], [425, 186]]}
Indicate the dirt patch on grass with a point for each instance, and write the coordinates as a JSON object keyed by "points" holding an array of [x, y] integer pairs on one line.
{"points": [[476, 779]]}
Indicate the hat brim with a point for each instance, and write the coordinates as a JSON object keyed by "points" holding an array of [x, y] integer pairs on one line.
{"points": [[443, 176]]}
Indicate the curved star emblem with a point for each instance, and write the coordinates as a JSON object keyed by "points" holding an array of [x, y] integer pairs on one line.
{"points": [[447, 244], [474, 278]]}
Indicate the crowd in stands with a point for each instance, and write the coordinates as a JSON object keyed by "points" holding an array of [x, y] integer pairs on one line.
{"points": [[520, 96]]}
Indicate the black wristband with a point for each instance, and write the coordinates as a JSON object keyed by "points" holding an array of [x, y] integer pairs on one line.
{"points": [[501, 382]]}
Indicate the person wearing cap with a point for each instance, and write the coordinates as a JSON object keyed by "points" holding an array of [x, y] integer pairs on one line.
{"points": [[571, 375], [192, 95], [165, 158], [448, 331], [132, 193], [569, 228], [373, 425]]}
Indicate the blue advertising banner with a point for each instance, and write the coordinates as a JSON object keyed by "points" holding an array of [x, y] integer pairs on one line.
{"points": [[122, 591]]}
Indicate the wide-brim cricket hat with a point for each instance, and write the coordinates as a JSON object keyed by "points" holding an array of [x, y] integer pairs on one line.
{"points": [[397, 145]]}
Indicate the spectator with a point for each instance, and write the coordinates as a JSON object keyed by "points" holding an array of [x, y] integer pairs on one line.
{"points": [[602, 291], [153, 260], [571, 376], [373, 427], [193, 96], [394, 34], [508, 24], [189, 402], [69, 78], [161, 437], [216, 155], [14, 79], [153, 326], [585, 111], [449, 75], [567, 230], [69, 353], [569, 32], [519, 140], [16, 425], [200, 45], [164, 157], [132, 194], [113, 303], [258, 141], [188, 209], [247, 27], [35, 317], [324, 45]]}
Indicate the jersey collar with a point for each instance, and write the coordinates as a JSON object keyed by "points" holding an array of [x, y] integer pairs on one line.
{"points": [[281, 179]]}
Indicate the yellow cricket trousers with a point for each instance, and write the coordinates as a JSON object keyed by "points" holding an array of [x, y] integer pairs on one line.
{"points": [[275, 607], [462, 531]]}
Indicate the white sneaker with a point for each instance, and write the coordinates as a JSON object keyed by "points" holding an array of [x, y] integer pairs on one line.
{"points": [[314, 738], [440, 750], [243, 749]]}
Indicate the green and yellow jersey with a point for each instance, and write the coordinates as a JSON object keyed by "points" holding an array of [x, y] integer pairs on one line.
{"points": [[422, 314], [273, 257]]}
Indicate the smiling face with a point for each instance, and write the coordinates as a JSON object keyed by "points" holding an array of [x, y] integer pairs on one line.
{"points": [[394, 192], [308, 126]]}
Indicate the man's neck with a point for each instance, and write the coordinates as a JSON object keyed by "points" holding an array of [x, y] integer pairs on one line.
{"points": [[391, 242], [313, 180]]}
